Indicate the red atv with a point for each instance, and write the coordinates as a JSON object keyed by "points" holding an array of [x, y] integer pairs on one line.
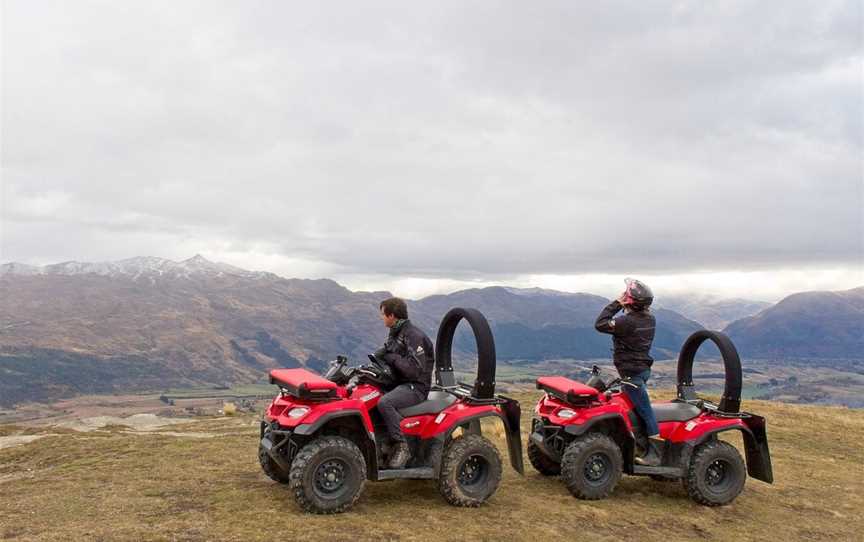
{"points": [[323, 435], [587, 433]]}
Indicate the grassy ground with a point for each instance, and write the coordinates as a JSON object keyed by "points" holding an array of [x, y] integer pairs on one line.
{"points": [[117, 485]]}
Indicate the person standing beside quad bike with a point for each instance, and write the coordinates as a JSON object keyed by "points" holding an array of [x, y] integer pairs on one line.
{"points": [[409, 353], [632, 336]]}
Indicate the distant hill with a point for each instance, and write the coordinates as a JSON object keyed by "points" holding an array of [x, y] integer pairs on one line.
{"points": [[712, 311], [805, 325], [534, 324], [150, 323]]}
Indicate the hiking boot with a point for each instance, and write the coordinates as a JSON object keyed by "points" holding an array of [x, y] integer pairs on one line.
{"points": [[400, 456], [654, 456]]}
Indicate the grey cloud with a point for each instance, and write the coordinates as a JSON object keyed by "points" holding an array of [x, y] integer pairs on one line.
{"points": [[442, 139]]}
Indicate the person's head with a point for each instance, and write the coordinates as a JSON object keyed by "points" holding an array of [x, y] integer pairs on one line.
{"points": [[391, 310], [638, 296]]}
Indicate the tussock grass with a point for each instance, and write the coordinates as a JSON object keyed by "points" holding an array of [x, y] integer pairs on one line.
{"points": [[113, 485]]}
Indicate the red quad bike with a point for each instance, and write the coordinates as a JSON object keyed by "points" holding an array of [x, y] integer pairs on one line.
{"points": [[587, 433], [324, 437]]}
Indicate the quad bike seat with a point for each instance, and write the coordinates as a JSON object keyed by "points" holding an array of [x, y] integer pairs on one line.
{"points": [[435, 403], [675, 411]]}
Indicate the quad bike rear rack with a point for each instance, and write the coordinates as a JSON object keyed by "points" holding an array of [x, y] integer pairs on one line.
{"points": [[483, 390], [755, 438]]}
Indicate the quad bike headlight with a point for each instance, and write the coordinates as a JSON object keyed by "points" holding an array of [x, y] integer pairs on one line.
{"points": [[566, 413], [298, 412]]}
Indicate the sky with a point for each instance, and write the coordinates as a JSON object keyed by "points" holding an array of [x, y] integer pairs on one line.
{"points": [[427, 147]]}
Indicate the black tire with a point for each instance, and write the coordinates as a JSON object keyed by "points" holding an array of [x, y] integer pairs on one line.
{"points": [[591, 466], [470, 471], [270, 467], [327, 475], [716, 474], [544, 464]]}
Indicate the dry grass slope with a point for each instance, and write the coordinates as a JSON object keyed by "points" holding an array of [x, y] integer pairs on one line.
{"points": [[120, 486]]}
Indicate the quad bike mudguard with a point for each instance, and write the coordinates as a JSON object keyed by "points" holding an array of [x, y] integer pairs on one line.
{"points": [[512, 414], [756, 449]]}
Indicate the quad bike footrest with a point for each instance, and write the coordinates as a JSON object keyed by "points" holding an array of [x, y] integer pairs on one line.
{"points": [[424, 473], [669, 472]]}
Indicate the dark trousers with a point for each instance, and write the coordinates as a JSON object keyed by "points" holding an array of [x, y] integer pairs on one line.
{"points": [[402, 396], [641, 402]]}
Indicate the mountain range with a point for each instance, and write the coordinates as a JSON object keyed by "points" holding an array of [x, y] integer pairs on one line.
{"points": [[713, 312], [805, 325], [149, 323]]}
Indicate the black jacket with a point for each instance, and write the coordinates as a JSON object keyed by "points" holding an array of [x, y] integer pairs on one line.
{"points": [[411, 355], [632, 335]]}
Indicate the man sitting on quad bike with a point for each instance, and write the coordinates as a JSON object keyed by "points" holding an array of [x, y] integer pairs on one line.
{"points": [[409, 353], [632, 335]]}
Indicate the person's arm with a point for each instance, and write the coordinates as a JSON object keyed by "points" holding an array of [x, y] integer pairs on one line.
{"points": [[605, 323], [411, 365]]}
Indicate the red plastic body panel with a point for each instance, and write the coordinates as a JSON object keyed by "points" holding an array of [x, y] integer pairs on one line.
{"points": [[429, 425], [363, 399], [549, 407], [619, 403], [565, 385]]}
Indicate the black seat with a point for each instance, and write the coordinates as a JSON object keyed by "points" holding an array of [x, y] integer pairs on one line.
{"points": [[675, 411], [435, 403]]}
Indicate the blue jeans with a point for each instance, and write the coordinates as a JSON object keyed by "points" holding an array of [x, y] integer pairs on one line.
{"points": [[641, 402]]}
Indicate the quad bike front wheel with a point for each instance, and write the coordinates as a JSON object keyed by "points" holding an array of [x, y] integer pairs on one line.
{"points": [[716, 474], [591, 466], [544, 464], [470, 471], [328, 475]]}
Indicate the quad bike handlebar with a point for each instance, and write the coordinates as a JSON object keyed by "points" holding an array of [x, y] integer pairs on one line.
{"points": [[375, 372]]}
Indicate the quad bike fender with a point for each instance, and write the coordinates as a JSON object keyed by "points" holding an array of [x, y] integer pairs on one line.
{"points": [[509, 414], [614, 425], [595, 423], [756, 450], [310, 425], [363, 430]]}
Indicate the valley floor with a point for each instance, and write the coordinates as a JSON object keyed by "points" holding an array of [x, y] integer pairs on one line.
{"points": [[198, 479]]}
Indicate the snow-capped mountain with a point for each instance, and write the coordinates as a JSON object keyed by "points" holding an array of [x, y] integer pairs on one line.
{"points": [[149, 267]]}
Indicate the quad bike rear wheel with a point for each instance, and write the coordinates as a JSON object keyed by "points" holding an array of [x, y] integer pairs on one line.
{"points": [[470, 471], [716, 474], [270, 467], [591, 466], [544, 464], [328, 475]]}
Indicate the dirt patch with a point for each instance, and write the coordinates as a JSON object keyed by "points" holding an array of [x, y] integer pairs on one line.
{"points": [[173, 434], [18, 440], [138, 422]]}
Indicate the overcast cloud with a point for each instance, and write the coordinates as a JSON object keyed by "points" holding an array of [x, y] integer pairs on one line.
{"points": [[431, 145]]}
